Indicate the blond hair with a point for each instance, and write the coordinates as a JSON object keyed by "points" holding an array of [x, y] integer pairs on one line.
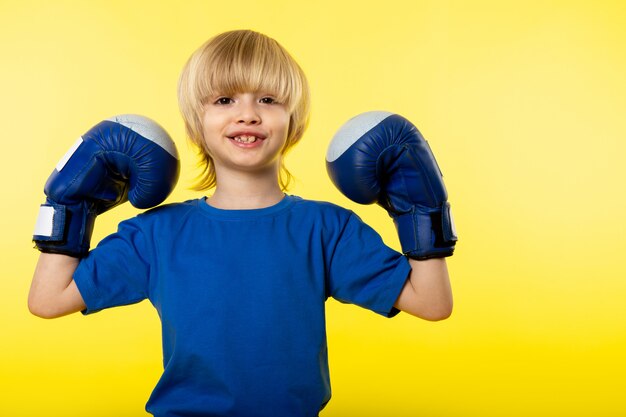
{"points": [[235, 62]]}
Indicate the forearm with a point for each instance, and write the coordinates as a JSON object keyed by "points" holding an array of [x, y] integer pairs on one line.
{"points": [[53, 292], [428, 292]]}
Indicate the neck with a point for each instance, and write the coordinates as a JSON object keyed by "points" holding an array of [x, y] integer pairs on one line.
{"points": [[246, 191]]}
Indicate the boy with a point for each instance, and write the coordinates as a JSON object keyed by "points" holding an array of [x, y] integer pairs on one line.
{"points": [[240, 278]]}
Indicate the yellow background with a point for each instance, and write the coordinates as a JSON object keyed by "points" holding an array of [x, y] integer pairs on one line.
{"points": [[524, 106]]}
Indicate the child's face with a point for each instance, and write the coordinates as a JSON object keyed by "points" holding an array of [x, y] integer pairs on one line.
{"points": [[245, 131]]}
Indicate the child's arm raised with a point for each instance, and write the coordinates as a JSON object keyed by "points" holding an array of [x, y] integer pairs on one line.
{"points": [[427, 293], [381, 157], [127, 157], [53, 292]]}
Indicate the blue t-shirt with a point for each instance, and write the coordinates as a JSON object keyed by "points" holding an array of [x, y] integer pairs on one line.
{"points": [[241, 294]]}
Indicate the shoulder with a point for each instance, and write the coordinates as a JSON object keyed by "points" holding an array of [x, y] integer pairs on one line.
{"points": [[172, 209], [325, 216], [321, 208], [166, 213]]}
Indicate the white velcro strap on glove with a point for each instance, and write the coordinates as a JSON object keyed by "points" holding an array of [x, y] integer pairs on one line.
{"points": [[50, 223]]}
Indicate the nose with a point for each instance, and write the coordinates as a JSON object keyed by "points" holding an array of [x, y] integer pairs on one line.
{"points": [[248, 113]]}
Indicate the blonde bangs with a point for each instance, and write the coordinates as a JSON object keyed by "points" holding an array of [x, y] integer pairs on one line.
{"points": [[248, 62]]}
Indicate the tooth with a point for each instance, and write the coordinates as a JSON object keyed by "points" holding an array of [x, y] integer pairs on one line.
{"points": [[245, 139]]}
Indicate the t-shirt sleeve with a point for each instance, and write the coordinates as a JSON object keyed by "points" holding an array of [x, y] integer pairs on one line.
{"points": [[117, 271], [366, 272]]}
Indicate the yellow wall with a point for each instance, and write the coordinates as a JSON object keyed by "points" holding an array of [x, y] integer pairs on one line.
{"points": [[524, 107]]}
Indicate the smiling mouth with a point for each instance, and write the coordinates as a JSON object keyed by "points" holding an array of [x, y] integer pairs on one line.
{"points": [[245, 139]]}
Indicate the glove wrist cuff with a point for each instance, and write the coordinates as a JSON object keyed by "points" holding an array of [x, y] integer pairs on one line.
{"points": [[426, 234], [64, 229]]}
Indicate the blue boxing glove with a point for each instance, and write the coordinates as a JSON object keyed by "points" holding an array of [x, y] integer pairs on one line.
{"points": [[381, 157], [127, 157]]}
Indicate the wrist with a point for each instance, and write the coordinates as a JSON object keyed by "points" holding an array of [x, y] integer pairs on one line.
{"points": [[425, 232], [64, 229]]}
